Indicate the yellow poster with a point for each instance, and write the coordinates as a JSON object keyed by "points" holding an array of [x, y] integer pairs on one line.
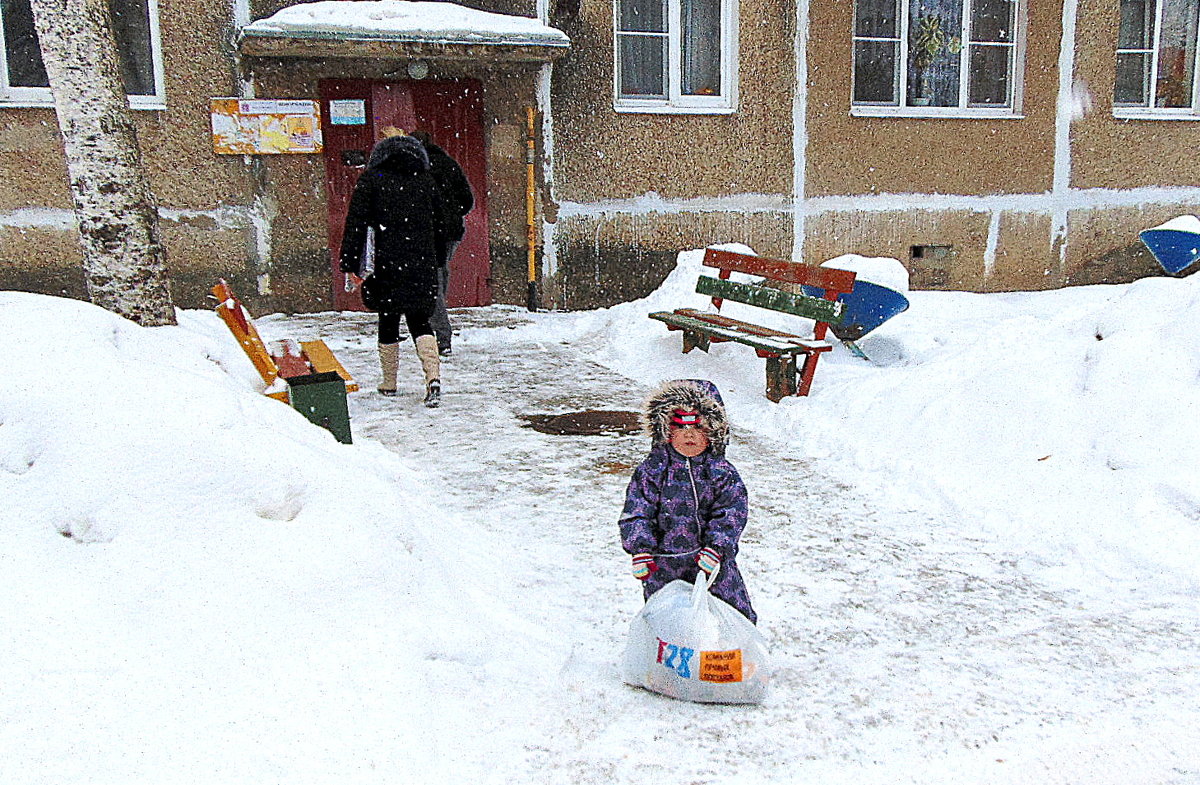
{"points": [[243, 126]]}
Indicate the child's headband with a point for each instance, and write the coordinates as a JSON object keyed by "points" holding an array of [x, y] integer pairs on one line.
{"points": [[683, 418]]}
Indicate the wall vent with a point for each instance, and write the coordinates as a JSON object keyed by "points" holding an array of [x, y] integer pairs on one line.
{"points": [[929, 266]]}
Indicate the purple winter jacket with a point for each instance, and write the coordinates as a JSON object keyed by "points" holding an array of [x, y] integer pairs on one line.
{"points": [[675, 506]]}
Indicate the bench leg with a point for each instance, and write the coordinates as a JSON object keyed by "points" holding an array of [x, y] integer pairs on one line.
{"points": [[781, 377], [693, 340], [807, 373]]}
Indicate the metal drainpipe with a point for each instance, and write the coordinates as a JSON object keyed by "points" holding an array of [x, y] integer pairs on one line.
{"points": [[530, 209]]}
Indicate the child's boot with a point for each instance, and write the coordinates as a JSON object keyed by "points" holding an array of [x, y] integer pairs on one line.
{"points": [[427, 350], [389, 363]]}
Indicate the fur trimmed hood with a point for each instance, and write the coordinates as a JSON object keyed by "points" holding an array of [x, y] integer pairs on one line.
{"points": [[698, 395], [401, 151]]}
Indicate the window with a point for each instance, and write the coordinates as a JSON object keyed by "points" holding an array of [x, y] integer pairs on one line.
{"points": [[1156, 56], [135, 25], [676, 55], [939, 56]]}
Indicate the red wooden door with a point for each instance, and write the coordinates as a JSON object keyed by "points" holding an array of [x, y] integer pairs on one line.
{"points": [[346, 149], [452, 112]]}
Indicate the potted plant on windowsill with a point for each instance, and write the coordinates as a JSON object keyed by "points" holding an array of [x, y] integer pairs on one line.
{"points": [[927, 46]]}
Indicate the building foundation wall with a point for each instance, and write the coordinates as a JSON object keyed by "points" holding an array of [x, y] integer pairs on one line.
{"points": [[607, 259]]}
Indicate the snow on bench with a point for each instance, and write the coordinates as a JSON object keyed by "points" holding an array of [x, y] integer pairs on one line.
{"points": [[281, 360]]}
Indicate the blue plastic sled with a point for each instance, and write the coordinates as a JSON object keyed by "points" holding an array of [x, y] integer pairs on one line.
{"points": [[867, 307], [1174, 244]]}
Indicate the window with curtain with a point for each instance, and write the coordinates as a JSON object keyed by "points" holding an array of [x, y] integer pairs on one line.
{"points": [[936, 54], [675, 54], [134, 25], [1156, 56]]}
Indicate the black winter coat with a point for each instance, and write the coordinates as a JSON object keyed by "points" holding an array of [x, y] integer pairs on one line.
{"points": [[397, 196], [457, 199]]}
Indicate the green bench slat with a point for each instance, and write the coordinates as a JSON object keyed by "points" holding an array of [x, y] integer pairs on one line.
{"points": [[767, 343], [814, 308]]}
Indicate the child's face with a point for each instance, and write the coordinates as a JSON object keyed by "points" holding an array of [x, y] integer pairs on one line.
{"points": [[689, 440]]}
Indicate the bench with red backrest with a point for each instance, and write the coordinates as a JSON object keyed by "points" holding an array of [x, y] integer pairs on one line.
{"points": [[780, 349]]}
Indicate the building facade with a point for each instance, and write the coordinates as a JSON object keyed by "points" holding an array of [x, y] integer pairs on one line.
{"points": [[987, 144]]}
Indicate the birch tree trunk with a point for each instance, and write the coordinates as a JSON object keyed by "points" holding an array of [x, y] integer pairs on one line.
{"points": [[123, 261]]}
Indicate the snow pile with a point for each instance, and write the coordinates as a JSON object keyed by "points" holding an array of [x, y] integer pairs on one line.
{"points": [[231, 559], [1060, 422], [401, 19], [880, 270], [1180, 223]]}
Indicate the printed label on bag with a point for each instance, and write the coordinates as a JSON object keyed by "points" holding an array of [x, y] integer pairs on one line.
{"points": [[676, 658], [721, 666]]}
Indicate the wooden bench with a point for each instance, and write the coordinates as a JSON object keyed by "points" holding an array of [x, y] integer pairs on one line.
{"points": [[283, 359], [780, 349]]}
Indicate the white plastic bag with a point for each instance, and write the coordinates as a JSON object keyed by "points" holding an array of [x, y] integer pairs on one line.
{"points": [[687, 644], [367, 265]]}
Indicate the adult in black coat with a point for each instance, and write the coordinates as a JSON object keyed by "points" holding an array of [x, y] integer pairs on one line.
{"points": [[457, 201], [397, 198]]}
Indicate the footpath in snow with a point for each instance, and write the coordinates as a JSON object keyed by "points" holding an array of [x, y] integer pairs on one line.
{"points": [[904, 649]]}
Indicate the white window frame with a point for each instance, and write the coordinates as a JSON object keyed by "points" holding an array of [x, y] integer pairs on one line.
{"points": [[1150, 111], [38, 97], [675, 102], [1016, 63]]}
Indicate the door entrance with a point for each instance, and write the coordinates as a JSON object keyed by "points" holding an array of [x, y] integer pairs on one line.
{"points": [[452, 112]]}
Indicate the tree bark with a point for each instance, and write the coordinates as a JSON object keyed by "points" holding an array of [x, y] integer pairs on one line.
{"points": [[123, 262]]}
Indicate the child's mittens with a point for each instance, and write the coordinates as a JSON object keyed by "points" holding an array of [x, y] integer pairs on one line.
{"points": [[643, 566], [709, 560]]}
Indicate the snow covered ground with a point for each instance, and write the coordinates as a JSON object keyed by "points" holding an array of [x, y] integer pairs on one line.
{"points": [[976, 556]]}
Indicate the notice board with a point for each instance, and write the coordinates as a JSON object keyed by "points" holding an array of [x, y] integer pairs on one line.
{"points": [[257, 126]]}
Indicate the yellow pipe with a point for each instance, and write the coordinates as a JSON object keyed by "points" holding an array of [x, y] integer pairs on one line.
{"points": [[530, 207]]}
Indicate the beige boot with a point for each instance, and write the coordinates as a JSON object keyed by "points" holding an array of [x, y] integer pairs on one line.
{"points": [[389, 363], [431, 364]]}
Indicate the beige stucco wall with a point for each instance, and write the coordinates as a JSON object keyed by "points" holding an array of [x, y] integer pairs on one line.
{"points": [[507, 98], [176, 151], [718, 178], [605, 154], [31, 156], [1025, 257], [602, 155], [621, 256], [889, 234], [1104, 244], [998, 244], [1020, 257], [869, 155], [1118, 153], [1123, 164]]}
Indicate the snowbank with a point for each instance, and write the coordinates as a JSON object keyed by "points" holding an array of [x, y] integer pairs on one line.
{"points": [[170, 538], [1059, 422]]}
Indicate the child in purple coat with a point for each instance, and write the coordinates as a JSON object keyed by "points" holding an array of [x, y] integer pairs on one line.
{"points": [[685, 507]]}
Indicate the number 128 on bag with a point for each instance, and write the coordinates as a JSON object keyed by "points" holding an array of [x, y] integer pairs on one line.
{"points": [[715, 666]]}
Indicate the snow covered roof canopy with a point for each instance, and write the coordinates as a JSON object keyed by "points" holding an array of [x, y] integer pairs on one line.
{"points": [[399, 28]]}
